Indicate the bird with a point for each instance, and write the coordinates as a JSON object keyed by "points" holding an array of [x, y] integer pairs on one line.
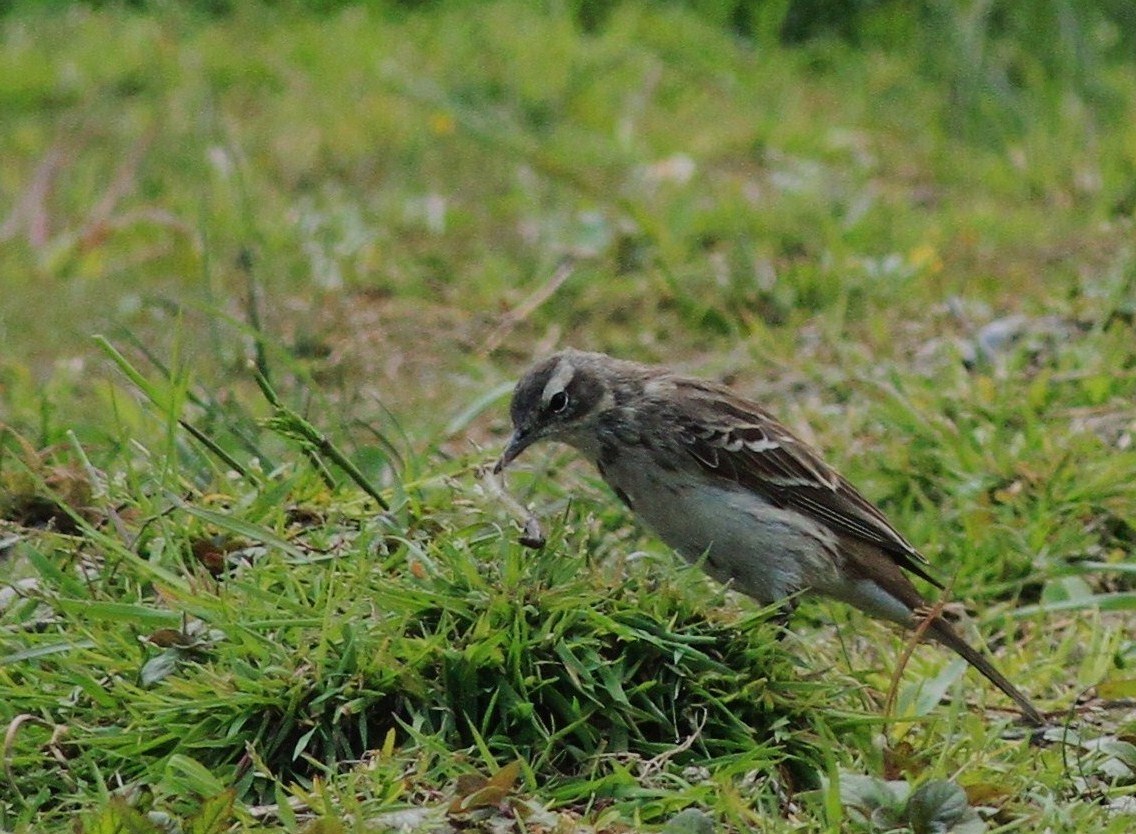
{"points": [[718, 478]]}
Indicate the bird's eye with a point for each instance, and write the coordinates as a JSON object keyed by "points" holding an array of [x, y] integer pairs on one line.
{"points": [[558, 403]]}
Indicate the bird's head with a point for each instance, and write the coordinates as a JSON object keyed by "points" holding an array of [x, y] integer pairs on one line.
{"points": [[560, 398]]}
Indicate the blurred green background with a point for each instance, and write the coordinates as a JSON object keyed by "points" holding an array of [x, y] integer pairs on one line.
{"points": [[723, 168]]}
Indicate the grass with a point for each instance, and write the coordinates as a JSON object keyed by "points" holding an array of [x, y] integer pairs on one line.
{"points": [[251, 574]]}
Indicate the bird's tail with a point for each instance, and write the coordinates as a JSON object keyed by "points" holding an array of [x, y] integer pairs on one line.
{"points": [[879, 572], [945, 633]]}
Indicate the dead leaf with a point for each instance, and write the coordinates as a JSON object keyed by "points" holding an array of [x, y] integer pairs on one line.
{"points": [[169, 637], [213, 551], [475, 791]]}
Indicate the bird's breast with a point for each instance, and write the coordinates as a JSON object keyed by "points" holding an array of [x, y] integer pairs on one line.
{"points": [[733, 533]]}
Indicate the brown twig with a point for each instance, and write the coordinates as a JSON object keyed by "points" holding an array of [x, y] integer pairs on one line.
{"points": [[527, 307], [10, 740], [30, 211], [124, 181], [927, 617]]}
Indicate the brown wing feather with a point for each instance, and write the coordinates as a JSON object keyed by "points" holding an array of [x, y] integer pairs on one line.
{"points": [[732, 437]]}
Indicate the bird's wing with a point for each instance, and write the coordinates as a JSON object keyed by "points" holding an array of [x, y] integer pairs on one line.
{"points": [[730, 437]]}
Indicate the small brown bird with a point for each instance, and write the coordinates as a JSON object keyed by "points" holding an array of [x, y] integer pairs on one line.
{"points": [[731, 489]]}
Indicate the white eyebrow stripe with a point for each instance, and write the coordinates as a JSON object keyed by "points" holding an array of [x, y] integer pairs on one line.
{"points": [[558, 381]]}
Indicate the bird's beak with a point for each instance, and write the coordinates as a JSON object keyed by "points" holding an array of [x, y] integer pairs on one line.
{"points": [[517, 443]]}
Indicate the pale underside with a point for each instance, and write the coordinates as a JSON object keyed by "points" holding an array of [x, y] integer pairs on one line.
{"points": [[740, 538]]}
